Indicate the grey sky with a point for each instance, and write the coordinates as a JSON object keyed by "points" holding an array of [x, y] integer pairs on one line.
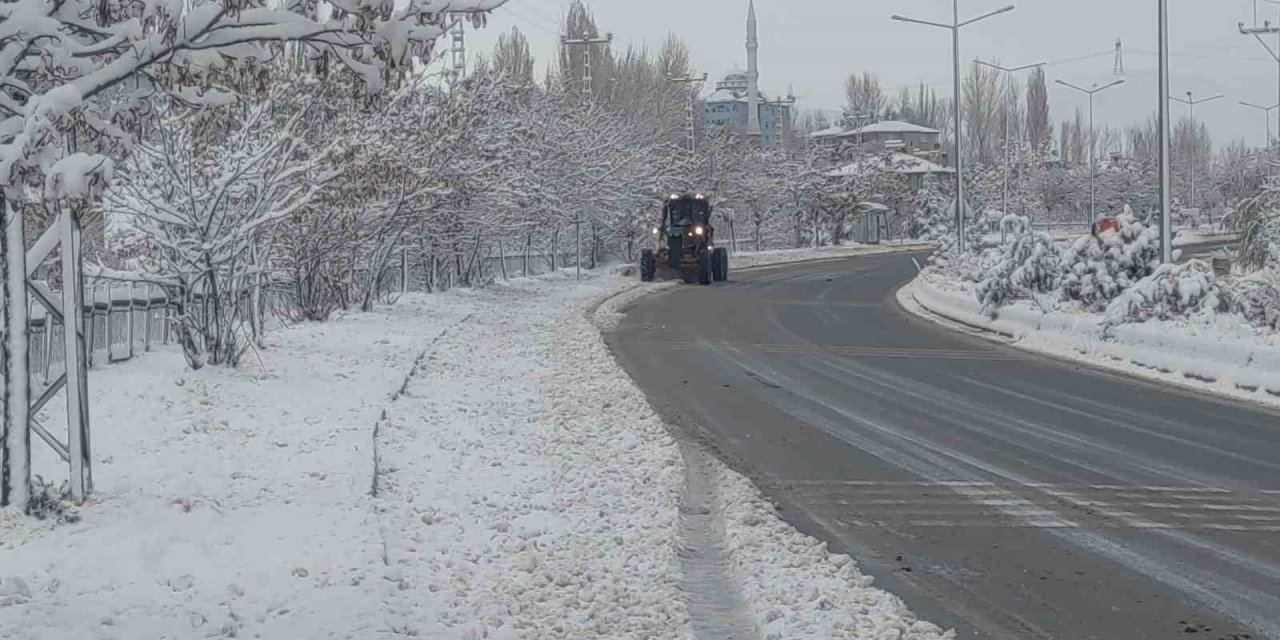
{"points": [[811, 45]]}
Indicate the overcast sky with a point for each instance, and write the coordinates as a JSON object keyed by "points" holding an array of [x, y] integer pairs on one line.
{"points": [[812, 45]]}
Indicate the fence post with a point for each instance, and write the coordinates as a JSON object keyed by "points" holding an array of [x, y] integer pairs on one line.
{"points": [[502, 256], [15, 437], [77, 373], [577, 247], [404, 271], [132, 315], [528, 248]]}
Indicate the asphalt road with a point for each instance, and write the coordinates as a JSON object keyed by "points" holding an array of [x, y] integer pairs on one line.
{"points": [[999, 493]]}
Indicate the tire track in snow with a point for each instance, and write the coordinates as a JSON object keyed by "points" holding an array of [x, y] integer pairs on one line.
{"points": [[716, 606]]}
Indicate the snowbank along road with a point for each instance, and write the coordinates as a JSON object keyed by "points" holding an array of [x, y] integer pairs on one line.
{"points": [[1002, 494]]}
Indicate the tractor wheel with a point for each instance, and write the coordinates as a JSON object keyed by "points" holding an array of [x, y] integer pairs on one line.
{"points": [[648, 265], [720, 264], [704, 267]]}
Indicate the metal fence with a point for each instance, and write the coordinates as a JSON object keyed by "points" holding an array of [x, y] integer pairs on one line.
{"points": [[121, 320]]}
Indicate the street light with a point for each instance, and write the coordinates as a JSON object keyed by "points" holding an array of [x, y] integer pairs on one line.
{"points": [[955, 27], [1166, 214], [1191, 152], [1008, 87], [1265, 110], [1093, 142]]}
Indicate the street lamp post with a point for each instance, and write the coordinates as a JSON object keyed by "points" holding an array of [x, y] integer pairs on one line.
{"points": [[1166, 214], [1008, 87], [1093, 142], [1267, 114], [955, 27], [1191, 102], [1267, 111]]}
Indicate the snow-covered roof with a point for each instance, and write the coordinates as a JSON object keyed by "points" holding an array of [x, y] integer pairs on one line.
{"points": [[902, 163], [890, 126], [829, 132], [726, 95]]}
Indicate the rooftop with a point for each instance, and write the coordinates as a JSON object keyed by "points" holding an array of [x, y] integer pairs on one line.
{"points": [[901, 163]]}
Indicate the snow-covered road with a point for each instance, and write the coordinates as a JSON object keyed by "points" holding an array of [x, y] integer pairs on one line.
{"points": [[523, 489]]}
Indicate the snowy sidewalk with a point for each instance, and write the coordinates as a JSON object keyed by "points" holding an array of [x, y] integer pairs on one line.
{"points": [[1225, 356], [524, 489]]}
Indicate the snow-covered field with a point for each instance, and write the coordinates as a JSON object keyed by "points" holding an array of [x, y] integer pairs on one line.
{"points": [[466, 465]]}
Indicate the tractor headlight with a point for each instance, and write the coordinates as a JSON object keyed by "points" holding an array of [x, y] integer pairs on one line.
{"points": [[655, 231], [698, 230]]}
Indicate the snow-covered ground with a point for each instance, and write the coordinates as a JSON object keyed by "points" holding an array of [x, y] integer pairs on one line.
{"points": [[466, 465], [1222, 355]]}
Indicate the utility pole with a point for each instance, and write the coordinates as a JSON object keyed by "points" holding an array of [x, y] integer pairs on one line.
{"points": [[1191, 151], [1008, 89], [458, 53], [586, 65], [1093, 143], [955, 26], [693, 83], [1257, 32]]}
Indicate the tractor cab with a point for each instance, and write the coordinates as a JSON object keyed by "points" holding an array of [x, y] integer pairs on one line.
{"points": [[685, 243], [683, 215]]}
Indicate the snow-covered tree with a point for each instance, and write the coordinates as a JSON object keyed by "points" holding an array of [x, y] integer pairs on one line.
{"points": [[78, 73], [208, 212], [933, 217], [1098, 268], [1028, 263]]}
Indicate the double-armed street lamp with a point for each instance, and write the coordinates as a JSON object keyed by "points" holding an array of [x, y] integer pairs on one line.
{"points": [[1093, 142], [1191, 102], [1008, 86], [955, 26]]}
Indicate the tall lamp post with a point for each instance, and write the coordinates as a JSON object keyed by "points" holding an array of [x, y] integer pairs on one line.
{"points": [[1008, 88], [1166, 195], [1267, 113], [1093, 142], [1191, 102], [955, 27]]}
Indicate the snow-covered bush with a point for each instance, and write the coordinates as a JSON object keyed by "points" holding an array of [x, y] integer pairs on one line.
{"points": [[1257, 219], [1257, 299], [1098, 268], [1172, 291], [1027, 264]]}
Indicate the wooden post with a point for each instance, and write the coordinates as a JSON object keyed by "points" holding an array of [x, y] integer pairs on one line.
{"points": [[528, 248], [77, 372], [555, 247], [146, 320], [502, 256], [404, 271], [15, 437], [132, 314]]}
